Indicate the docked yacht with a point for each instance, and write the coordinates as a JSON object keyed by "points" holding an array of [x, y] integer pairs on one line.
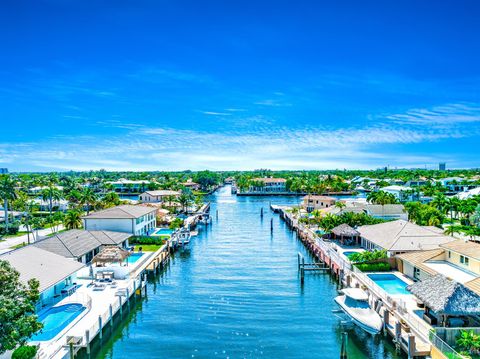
{"points": [[354, 302]]}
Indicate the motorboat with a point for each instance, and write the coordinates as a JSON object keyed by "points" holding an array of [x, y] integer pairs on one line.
{"points": [[354, 303]]}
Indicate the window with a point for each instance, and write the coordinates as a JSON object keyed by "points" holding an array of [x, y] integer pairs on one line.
{"points": [[464, 260], [416, 273], [449, 254]]}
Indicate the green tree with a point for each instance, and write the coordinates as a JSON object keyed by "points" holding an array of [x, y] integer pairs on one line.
{"points": [[87, 198], [17, 308], [7, 194], [50, 194], [72, 220]]}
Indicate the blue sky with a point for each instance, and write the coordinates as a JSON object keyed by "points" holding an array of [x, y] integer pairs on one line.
{"points": [[173, 85]]}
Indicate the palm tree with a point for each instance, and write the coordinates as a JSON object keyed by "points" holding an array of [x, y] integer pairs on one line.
{"points": [[72, 220], [7, 194], [184, 199], [87, 198], [451, 230], [111, 199], [50, 194]]}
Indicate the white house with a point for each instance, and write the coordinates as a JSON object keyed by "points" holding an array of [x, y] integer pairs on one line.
{"points": [[157, 196], [402, 193], [137, 220], [268, 185], [313, 202]]}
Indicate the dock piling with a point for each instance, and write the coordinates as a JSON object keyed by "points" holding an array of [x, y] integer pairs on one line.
{"points": [[343, 350], [271, 224]]}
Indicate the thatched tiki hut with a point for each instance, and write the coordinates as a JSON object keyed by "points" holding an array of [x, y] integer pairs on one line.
{"points": [[110, 254], [345, 234], [447, 303]]}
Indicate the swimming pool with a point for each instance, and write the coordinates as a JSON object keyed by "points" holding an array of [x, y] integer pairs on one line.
{"points": [[56, 319], [390, 283], [132, 258], [163, 232]]}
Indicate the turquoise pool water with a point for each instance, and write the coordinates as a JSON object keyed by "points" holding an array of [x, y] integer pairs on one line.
{"points": [[390, 283], [134, 257], [163, 232], [349, 253], [235, 293], [56, 319]]}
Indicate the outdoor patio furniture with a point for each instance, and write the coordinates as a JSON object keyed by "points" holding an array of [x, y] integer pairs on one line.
{"points": [[99, 286]]}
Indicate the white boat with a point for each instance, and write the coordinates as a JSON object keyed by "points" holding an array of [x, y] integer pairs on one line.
{"points": [[354, 302]]}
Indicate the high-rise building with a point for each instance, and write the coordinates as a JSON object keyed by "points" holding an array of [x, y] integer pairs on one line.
{"points": [[3, 170], [442, 166]]}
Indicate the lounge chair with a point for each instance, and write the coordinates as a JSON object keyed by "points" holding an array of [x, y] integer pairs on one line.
{"points": [[99, 286]]}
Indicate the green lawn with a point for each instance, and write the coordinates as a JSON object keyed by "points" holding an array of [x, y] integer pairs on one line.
{"points": [[147, 247], [18, 246]]}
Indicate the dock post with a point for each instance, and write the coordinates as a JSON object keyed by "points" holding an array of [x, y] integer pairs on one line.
{"points": [[386, 319], [299, 257], [128, 298], [271, 224], [261, 212], [100, 326], [411, 346], [216, 214], [302, 275], [72, 353], [398, 331], [343, 350], [87, 339], [111, 316], [121, 306]]}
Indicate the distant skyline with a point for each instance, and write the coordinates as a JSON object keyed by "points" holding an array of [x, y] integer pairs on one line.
{"points": [[175, 85]]}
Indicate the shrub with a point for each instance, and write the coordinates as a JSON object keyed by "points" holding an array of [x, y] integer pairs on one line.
{"points": [[176, 223], [25, 352], [147, 240], [373, 267], [12, 228]]}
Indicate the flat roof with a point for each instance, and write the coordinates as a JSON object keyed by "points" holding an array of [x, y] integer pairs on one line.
{"points": [[450, 270], [121, 212]]}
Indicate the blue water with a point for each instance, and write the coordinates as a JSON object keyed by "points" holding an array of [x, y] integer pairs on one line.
{"points": [[132, 197], [390, 283], [235, 293], [56, 319], [164, 232], [134, 257]]}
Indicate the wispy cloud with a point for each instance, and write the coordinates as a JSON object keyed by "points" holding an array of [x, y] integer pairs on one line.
{"points": [[212, 113], [446, 115]]}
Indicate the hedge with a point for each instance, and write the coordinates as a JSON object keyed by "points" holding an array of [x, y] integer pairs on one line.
{"points": [[25, 352], [147, 240], [373, 267]]}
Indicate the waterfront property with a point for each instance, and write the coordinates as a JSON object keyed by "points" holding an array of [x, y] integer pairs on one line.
{"points": [[267, 186], [458, 260], [191, 185], [55, 273], [345, 234], [137, 220], [447, 302], [402, 193], [315, 202], [82, 245], [128, 186], [158, 196], [401, 236]]}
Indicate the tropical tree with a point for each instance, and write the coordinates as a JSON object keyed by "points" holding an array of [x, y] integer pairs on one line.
{"points": [[72, 220], [87, 198], [17, 303], [50, 194], [7, 194], [111, 199], [185, 199], [451, 230], [24, 204]]}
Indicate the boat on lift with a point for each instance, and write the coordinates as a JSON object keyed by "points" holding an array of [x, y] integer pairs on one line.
{"points": [[354, 303]]}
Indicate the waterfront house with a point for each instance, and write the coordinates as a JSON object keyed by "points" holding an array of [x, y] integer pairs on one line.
{"points": [[55, 273], [267, 185], [387, 211], [468, 194], [128, 186], [402, 193], [57, 205], [157, 196], [137, 220], [39, 189], [315, 202], [458, 260], [447, 302], [15, 215], [401, 236], [191, 185], [457, 184], [82, 245]]}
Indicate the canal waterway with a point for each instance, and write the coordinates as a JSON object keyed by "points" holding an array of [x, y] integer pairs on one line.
{"points": [[235, 293]]}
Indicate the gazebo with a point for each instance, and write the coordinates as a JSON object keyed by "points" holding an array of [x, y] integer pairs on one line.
{"points": [[447, 302], [346, 234], [110, 254]]}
